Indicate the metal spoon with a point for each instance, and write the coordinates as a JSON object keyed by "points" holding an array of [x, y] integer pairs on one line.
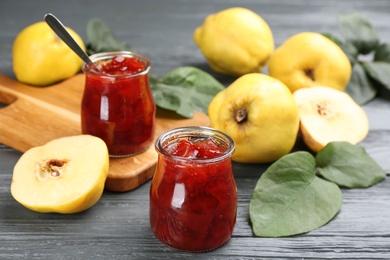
{"points": [[61, 31]]}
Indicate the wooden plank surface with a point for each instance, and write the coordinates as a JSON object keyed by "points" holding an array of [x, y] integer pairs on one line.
{"points": [[117, 227]]}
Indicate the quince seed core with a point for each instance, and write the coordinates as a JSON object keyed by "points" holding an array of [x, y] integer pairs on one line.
{"points": [[325, 109], [51, 168]]}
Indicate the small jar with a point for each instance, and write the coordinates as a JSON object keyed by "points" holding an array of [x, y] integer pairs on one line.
{"points": [[117, 103], [193, 194]]}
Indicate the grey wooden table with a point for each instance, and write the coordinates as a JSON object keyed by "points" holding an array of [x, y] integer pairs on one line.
{"points": [[117, 227]]}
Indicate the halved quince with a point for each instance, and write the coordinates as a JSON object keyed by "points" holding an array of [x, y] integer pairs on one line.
{"points": [[328, 115], [66, 175]]}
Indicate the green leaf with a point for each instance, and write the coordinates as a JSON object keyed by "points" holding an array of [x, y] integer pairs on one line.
{"points": [[348, 48], [348, 165], [360, 87], [382, 53], [379, 71], [185, 90], [359, 31], [101, 39], [333, 38], [351, 51], [289, 199]]}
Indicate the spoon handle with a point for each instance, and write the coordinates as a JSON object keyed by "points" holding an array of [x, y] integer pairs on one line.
{"points": [[61, 31]]}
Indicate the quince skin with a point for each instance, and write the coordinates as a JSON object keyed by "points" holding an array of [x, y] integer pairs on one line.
{"points": [[41, 58], [66, 175], [260, 114], [310, 59], [235, 41]]}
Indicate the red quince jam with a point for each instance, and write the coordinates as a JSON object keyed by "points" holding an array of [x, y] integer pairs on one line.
{"points": [[193, 203], [121, 65], [118, 106], [200, 149]]}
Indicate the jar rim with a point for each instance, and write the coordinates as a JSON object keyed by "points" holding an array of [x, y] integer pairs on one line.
{"points": [[110, 54], [196, 132]]}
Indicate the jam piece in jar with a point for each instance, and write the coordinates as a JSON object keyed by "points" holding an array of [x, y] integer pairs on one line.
{"points": [[198, 149], [122, 65]]}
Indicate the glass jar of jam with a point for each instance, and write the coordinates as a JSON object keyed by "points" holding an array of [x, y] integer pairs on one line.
{"points": [[117, 103], [193, 194]]}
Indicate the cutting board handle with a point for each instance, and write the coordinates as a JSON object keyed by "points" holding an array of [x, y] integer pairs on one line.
{"points": [[6, 98], [26, 122]]}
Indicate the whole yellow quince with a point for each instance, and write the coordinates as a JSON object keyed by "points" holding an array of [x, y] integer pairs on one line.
{"points": [[260, 114], [235, 41], [41, 58], [310, 59]]}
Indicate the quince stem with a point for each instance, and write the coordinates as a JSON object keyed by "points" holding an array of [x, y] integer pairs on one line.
{"points": [[241, 115]]}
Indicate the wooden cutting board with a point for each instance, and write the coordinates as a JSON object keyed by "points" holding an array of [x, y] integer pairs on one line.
{"points": [[35, 115]]}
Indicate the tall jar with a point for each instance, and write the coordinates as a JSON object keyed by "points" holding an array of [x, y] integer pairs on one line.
{"points": [[193, 194], [117, 103]]}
